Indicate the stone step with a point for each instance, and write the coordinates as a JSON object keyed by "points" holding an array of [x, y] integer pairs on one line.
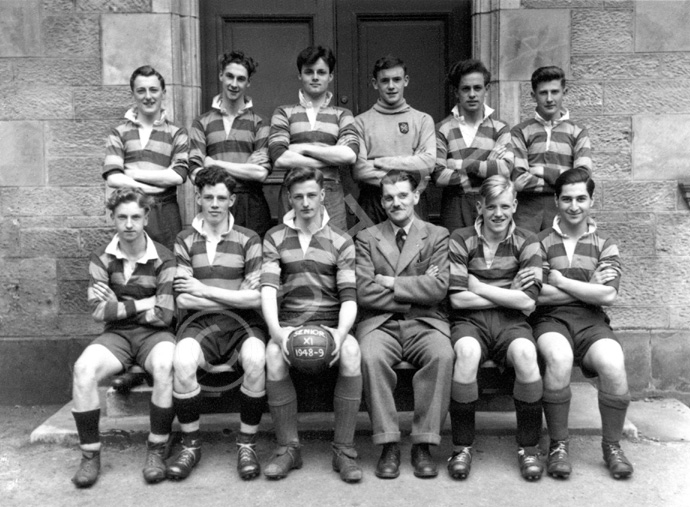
{"points": [[60, 428]]}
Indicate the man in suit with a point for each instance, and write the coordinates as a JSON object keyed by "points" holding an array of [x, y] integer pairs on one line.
{"points": [[402, 280]]}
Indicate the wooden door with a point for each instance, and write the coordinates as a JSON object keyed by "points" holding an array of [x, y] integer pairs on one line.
{"points": [[427, 34]]}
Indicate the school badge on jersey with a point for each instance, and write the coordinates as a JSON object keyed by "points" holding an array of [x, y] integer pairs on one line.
{"points": [[404, 127]]}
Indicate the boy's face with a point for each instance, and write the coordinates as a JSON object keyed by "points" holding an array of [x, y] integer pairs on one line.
{"points": [[471, 93], [215, 201], [574, 204], [129, 219], [148, 95], [498, 212], [234, 81], [315, 78], [306, 199], [549, 98], [398, 200], [391, 83]]}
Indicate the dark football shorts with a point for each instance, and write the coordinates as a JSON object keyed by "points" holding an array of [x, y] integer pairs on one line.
{"points": [[581, 326], [133, 346], [495, 329]]}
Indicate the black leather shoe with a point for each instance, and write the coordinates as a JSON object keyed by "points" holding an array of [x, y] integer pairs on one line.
{"points": [[423, 462], [90, 466], [185, 461], [128, 380], [154, 466], [388, 466], [345, 463], [247, 462], [286, 458]]}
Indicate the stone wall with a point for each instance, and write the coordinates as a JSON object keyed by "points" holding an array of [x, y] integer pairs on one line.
{"points": [[628, 64], [64, 69], [64, 81]]}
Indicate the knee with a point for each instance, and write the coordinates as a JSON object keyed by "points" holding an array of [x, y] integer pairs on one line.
{"points": [[523, 355], [84, 372], [162, 370], [467, 354], [253, 361], [274, 357], [558, 359], [350, 355]]}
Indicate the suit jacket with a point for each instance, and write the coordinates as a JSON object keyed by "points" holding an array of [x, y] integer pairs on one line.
{"points": [[416, 295]]}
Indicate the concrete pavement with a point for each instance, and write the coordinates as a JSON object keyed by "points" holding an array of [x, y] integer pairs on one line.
{"points": [[39, 474]]}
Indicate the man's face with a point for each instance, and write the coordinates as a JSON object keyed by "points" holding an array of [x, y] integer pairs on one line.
{"points": [[306, 199], [471, 93], [315, 79], [391, 83], [398, 201], [129, 219], [574, 204], [498, 213], [549, 97], [215, 202], [148, 95], [234, 81]]}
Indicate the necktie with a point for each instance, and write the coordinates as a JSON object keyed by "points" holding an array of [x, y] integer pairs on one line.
{"points": [[400, 238]]}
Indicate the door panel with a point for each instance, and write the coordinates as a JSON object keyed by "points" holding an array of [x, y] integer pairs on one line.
{"points": [[428, 35]]}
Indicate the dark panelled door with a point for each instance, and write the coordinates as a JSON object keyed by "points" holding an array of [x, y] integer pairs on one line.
{"points": [[427, 34]]}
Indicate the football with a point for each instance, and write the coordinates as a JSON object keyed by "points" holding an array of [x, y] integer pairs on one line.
{"points": [[310, 349]]}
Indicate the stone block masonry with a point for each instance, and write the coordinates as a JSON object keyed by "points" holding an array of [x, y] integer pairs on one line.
{"points": [[64, 71]]}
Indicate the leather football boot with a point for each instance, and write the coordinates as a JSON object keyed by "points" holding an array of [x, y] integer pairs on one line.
{"points": [[460, 464], [619, 466], [285, 459], [247, 461], [530, 465], [345, 462], [90, 466], [185, 461]]}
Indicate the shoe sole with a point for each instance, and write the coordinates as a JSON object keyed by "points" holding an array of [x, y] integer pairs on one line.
{"points": [[274, 476], [387, 475], [622, 475], [459, 476], [248, 476], [426, 476]]}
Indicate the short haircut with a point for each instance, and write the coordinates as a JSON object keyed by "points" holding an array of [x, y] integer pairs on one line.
{"points": [[396, 175], [388, 62], [464, 67], [546, 74], [129, 194], [312, 54], [495, 186], [240, 58], [211, 176], [302, 174], [146, 71], [572, 176]]}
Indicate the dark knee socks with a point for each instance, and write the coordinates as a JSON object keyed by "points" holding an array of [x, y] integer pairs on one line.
{"points": [[282, 401], [463, 405], [556, 409], [87, 426], [251, 408], [613, 409], [346, 401], [161, 419], [527, 397]]}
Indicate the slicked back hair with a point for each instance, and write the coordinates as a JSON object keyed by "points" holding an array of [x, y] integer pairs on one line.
{"points": [[573, 176], [395, 175], [146, 71], [312, 54], [495, 186], [464, 67], [546, 74], [302, 174]]}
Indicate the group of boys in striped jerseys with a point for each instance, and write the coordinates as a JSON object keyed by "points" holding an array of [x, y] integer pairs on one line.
{"points": [[516, 272]]}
